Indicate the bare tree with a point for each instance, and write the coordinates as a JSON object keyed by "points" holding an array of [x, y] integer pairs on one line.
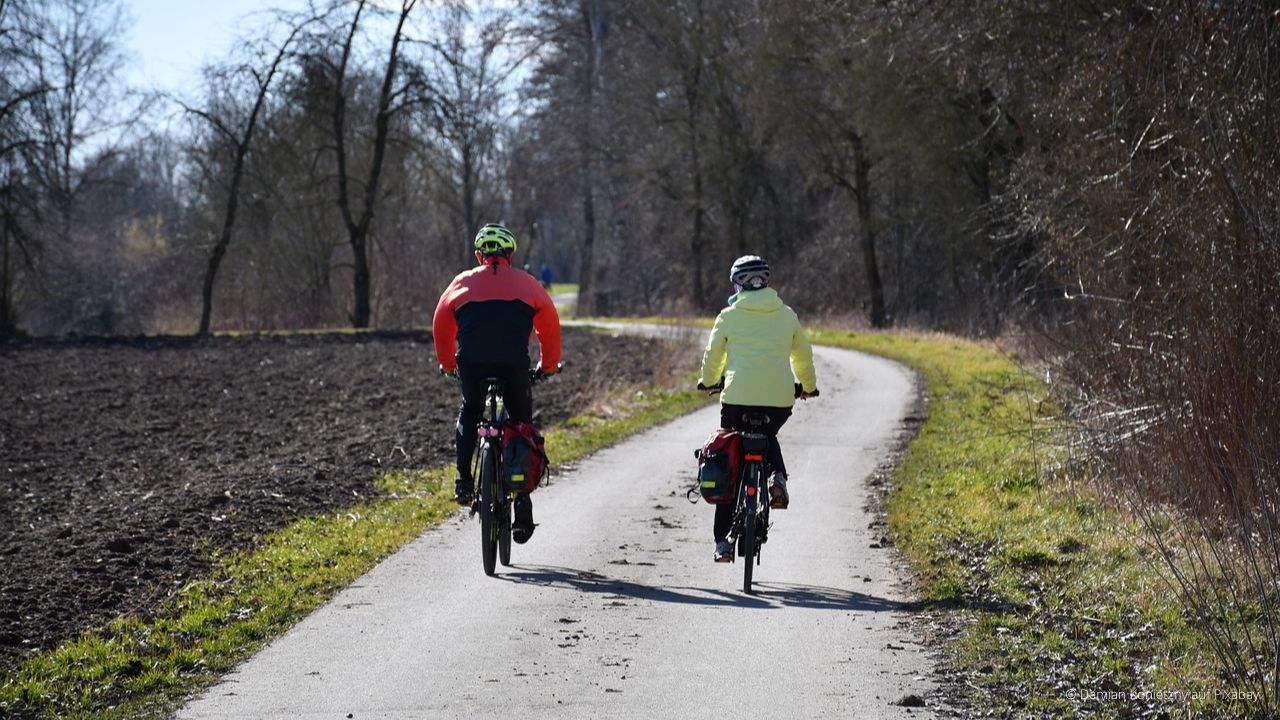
{"points": [[18, 88], [570, 89], [470, 81], [825, 102], [596, 27], [79, 59], [678, 34], [77, 123], [239, 136], [391, 100]]}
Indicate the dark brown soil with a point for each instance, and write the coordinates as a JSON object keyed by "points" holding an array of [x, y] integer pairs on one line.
{"points": [[124, 464]]}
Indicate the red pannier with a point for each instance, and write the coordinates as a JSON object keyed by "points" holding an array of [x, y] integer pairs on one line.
{"points": [[719, 462], [524, 456]]}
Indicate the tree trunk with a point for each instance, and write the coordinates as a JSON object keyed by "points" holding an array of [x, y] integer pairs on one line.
{"points": [[8, 321], [594, 18], [215, 261], [693, 120], [696, 288], [358, 229], [862, 194], [697, 292], [469, 228], [361, 284], [586, 256], [237, 172], [340, 149], [228, 225]]}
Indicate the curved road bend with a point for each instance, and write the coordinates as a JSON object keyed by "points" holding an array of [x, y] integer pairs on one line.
{"points": [[615, 610]]}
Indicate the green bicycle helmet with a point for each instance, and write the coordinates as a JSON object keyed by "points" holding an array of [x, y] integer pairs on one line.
{"points": [[495, 239]]}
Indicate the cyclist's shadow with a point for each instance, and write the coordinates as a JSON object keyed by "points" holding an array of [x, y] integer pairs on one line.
{"points": [[593, 582], [767, 595], [818, 597]]}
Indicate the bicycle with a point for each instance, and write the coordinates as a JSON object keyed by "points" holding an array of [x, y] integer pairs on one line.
{"points": [[494, 502], [750, 528]]}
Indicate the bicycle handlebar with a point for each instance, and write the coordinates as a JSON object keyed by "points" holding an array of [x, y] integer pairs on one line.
{"points": [[536, 374], [713, 389]]}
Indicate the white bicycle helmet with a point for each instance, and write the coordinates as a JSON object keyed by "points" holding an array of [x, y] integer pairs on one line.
{"points": [[750, 272]]}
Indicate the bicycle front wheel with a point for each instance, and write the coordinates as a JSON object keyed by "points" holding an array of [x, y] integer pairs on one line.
{"points": [[488, 508], [504, 530]]}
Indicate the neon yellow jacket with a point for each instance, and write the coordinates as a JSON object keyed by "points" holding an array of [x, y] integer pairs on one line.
{"points": [[756, 344]]}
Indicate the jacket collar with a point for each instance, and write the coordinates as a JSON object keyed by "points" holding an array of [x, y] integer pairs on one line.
{"points": [[762, 300], [499, 259]]}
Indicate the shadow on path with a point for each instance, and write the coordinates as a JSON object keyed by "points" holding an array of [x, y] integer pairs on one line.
{"points": [[817, 597], [768, 595], [594, 582]]}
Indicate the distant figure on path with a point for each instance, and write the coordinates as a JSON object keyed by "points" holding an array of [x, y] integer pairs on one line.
{"points": [[546, 276]]}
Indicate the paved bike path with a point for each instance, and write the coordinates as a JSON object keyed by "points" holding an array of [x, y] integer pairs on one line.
{"points": [[615, 610]]}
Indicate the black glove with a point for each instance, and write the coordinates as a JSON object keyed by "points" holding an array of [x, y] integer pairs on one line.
{"points": [[801, 394]]}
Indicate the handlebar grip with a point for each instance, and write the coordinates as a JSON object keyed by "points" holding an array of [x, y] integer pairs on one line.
{"points": [[537, 374]]}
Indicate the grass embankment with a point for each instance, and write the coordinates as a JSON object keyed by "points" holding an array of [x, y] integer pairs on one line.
{"points": [[142, 667], [1061, 614]]}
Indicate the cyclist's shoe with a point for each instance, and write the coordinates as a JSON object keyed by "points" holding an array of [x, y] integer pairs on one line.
{"points": [[463, 490], [724, 551], [778, 497], [522, 528]]}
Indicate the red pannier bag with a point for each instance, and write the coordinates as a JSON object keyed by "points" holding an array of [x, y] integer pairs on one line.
{"points": [[719, 462], [524, 456]]}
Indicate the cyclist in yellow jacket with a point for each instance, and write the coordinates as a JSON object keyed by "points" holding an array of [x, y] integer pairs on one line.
{"points": [[760, 351]]}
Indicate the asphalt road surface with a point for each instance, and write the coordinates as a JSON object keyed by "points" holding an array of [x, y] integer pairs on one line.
{"points": [[614, 609]]}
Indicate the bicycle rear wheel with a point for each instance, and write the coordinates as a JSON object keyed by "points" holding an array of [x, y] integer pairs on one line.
{"points": [[748, 538], [488, 507]]}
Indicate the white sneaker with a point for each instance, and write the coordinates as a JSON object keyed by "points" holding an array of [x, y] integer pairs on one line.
{"points": [[724, 551]]}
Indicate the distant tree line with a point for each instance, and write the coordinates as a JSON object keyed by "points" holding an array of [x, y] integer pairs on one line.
{"points": [[909, 162]]}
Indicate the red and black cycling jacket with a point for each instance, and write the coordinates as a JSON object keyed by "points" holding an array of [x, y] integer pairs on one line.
{"points": [[488, 313]]}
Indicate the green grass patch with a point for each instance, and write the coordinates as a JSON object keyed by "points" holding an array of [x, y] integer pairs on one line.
{"points": [[1062, 615], [139, 668]]}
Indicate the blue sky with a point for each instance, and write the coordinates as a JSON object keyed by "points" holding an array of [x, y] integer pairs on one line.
{"points": [[170, 39]]}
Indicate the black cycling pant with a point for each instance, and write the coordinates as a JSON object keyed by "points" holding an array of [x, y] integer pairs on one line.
{"points": [[731, 417], [516, 395]]}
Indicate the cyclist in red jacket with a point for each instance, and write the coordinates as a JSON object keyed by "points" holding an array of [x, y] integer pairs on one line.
{"points": [[481, 328]]}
